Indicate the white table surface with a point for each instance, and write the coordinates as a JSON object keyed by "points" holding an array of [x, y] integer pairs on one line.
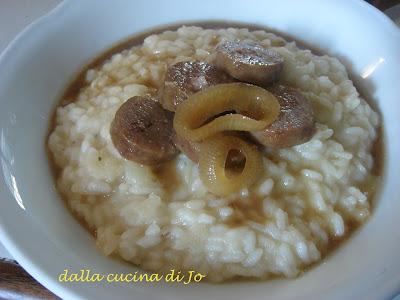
{"points": [[15, 15]]}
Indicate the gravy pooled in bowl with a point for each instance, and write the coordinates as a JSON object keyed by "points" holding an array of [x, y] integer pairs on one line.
{"points": [[228, 151]]}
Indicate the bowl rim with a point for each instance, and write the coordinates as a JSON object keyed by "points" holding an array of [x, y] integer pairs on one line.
{"points": [[18, 252], [23, 257]]}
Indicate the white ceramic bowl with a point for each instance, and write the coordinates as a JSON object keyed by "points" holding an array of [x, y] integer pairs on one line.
{"points": [[36, 67]]}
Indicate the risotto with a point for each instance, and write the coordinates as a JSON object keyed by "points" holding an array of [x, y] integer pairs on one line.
{"points": [[308, 197]]}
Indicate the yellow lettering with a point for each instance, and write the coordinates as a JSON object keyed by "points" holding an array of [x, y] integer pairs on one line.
{"points": [[131, 277], [135, 277], [109, 276], [96, 277], [80, 277], [179, 277], [170, 276], [63, 276], [155, 277], [190, 278], [141, 277], [120, 277], [85, 275], [74, 277], [198, 277]]}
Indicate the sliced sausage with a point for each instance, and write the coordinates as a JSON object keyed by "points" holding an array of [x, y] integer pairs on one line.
{"points": [[186, 78], [249, 62], [295, 123], [189, 148], [142, 131]]}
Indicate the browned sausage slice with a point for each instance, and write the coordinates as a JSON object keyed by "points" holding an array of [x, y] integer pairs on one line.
{"points": [[142, 131], [249, 62], [295, 124], [189, 148], [186, 78]]}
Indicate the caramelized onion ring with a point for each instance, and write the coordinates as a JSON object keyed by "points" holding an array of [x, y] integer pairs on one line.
{"points": [[212, 164], [255, 108]]}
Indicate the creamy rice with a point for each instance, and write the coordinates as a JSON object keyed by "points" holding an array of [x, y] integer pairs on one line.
{"points": [[306, 199]]}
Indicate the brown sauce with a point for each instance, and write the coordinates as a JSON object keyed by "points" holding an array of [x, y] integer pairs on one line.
{"points": [[166, 173], [251, 210]]}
